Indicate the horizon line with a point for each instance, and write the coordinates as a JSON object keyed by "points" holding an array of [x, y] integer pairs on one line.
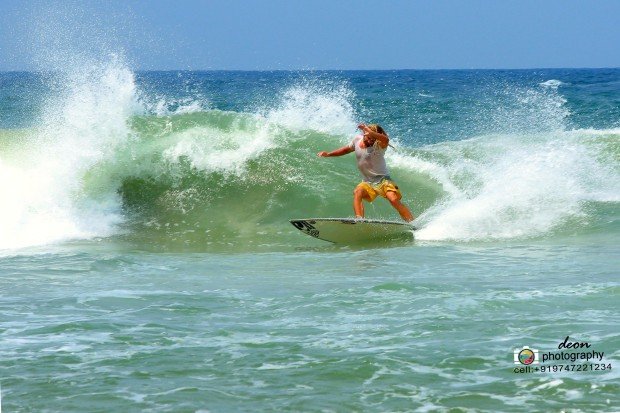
{"points": [[338, 70]]}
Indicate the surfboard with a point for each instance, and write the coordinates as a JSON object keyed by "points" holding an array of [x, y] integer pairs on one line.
{"points": [[354, 231]]}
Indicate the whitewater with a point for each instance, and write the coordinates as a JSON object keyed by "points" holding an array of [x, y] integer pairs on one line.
{"points": [[108, 157]]}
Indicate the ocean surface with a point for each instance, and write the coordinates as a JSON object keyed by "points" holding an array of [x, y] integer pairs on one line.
{"points": [[147, 263]]}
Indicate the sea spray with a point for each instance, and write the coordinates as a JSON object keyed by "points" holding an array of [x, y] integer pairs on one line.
{"points": [[314, 106], [525, 179], [517, 110], [43, 201], [513, 186]]}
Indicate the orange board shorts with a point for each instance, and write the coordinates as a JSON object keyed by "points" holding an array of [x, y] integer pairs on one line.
{"points": [[382, 188]]}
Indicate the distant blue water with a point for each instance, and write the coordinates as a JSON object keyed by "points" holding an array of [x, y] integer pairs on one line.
{"points": [[147, 262], [395, 98]]}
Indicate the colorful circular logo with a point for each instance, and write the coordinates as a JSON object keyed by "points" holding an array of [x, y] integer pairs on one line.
{"points": [[526, 356]]}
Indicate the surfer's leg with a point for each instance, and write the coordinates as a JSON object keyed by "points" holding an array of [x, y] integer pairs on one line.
{"points": [[399, 206], [358, 196]]}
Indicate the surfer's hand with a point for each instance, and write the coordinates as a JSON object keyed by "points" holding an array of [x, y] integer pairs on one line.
{"points": [[323, 154], [362, 127]]}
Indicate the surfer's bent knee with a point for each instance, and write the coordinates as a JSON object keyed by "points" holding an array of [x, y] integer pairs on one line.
{"points": [[360, 192], [394, 197]]}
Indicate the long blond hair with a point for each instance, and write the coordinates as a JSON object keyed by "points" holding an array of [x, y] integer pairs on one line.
{"points": [[375, 127]]}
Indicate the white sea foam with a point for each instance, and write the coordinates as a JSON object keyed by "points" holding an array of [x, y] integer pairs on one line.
{"points": [[213, 149], [552, 83], [300, 108], [525, 178], [312, 106], [520, 110], [512, 186], [43, 197]]}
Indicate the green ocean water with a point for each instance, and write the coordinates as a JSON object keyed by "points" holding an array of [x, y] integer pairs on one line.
{"points": [[147, 262], [425, 328]]}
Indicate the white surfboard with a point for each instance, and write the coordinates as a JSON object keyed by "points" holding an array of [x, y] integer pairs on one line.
{"points": [[354, 231]]}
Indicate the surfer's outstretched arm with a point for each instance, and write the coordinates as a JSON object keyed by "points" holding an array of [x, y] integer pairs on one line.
{"points": [[338, 152]]}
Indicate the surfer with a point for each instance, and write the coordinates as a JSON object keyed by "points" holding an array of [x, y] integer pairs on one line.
{"points": [[369, 148]]}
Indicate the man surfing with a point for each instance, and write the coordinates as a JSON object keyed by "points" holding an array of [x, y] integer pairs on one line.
{"points": [[369, 150]]}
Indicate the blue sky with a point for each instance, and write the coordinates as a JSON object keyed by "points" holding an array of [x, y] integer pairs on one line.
{"points": [[319, 34]]}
